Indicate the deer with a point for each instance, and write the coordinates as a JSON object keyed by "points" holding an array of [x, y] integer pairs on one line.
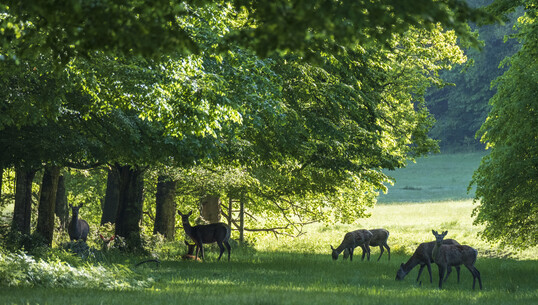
{"points": [[379, 238], [454, 255], [190, 253], [205, 234], [107, 242], [351, 241], [78, 228], [423, 256]]}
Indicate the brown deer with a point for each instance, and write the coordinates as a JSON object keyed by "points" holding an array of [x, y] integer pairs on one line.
{"points": [[190, 253], [454, 255], [107, 242], [78, 228], [205, 234], [351, 241], [423, 256]]}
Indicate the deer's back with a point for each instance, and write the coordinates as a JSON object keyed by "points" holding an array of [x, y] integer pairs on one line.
{"points": [[424, 250], [379, 237], [212, 232], [454, 255]]}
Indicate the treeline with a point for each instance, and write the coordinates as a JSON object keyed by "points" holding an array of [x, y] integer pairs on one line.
{"points": [[462, 107]]}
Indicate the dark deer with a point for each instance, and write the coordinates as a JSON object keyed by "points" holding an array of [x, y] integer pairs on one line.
{"points": [[454, 255], [78, 228], [351, 241], [423, 257], [206, 234]]}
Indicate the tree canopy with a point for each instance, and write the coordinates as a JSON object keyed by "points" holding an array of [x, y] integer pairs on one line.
{"points": [[506, 179]]}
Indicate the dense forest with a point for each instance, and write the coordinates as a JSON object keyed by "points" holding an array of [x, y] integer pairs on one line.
{"points": [[264, 115]]}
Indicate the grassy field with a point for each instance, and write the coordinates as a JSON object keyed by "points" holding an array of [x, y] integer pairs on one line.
{"points": [[433, 178], [301, 271]]}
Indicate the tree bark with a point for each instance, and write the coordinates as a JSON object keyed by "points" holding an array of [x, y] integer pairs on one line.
{"points": [[242, 219], [47, 202], [1, 179], [165, 215], [210, 206], [130, 206], [61, 209], [22, 212], [112, 196]]}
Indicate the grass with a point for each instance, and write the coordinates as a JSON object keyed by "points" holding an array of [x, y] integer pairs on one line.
{"points": [[300, 271], [433, 178]]}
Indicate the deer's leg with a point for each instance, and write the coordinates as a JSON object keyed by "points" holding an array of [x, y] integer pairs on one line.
{"points": [[458, 272], [368, 251], [227, 244], [221, 247], [363, 251], [428, 264], [449, 270], [351, 254], [388, 249], [420, 271], [381, 254], [441, 275]]}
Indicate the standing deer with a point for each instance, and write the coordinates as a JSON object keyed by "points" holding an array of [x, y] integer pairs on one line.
{"points": [[423, 256], [351, 241], [205, 234], [454, 255], [78, 228]]}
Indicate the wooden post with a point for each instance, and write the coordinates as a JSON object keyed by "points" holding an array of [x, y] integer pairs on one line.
{"points": [[242, 220], [230, 206]]}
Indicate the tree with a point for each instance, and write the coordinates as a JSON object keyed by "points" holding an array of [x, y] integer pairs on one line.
{"points": [[506, 178]]}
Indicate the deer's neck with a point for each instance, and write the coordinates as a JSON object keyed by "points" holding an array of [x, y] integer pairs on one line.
{"points": [[187, 227], [411, 263], [435, 251]]}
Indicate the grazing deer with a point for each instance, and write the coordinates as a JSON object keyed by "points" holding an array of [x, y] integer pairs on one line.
{"points": [[107, 242], [423, 256], [78, 228], [379, 238], [190, 253], [351, 241], [454, 255], [205, 234]]}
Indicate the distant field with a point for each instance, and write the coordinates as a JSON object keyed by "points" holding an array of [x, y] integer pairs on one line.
{"points": [[433, 178]]}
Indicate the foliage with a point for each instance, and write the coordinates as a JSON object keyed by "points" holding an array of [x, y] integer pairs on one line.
{"points": [[19, 269], [506, 179]]}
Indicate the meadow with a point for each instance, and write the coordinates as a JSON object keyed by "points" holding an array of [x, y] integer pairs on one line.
{"points": [[300, 270]]}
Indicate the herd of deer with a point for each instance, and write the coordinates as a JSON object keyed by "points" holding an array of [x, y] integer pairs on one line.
{"points": [[446, 253]]}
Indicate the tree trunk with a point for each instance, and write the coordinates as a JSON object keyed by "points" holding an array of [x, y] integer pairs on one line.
{"points": [[210, 206], [22, 212], [165, 215], [112, 196], [1, 179], [47, 201], [130, 206], [61, 209]]}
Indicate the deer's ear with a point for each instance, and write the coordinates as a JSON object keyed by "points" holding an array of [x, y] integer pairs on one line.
{"points": [[70, 205], [434, 232], [445, 232], [332, 248], [189, 214]]}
